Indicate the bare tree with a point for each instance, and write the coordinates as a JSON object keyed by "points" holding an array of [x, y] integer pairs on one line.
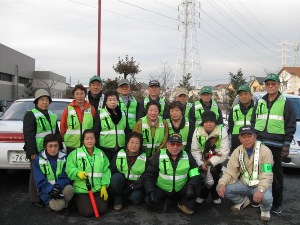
{"points": [[164, 76], [46, 84]]}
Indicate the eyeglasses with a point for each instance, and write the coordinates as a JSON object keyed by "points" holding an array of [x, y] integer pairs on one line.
{"points": [[53, 146], [271, 84], [177, 144]]}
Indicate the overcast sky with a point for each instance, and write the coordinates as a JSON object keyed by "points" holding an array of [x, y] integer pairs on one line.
{"points": [[61, 35]]}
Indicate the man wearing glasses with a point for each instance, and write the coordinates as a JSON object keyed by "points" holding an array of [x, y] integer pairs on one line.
{"points": [[274, 121], [172, 173]]}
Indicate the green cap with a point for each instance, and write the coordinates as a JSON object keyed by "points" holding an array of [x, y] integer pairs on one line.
{"points": [[244, 87], [273, 77], [205, 89], [95, 78]]}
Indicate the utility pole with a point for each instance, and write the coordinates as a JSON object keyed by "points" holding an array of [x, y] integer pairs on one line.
{"points": [[99, 38], [188, 61]]}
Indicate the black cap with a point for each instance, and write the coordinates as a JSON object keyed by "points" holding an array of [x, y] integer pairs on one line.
{"points": [[247, 130], [154, 83], [175, 138], [208, 116]]}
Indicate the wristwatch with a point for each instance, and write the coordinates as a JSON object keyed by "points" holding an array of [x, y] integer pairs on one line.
{"points": [[261, 190]]}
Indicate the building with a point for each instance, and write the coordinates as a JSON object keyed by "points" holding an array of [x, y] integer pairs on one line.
{"points": [[290, 80], [18, 69], [257, 84]]}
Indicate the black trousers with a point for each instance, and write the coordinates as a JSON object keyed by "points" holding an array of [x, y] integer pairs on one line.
{"points": [[277, 186]]}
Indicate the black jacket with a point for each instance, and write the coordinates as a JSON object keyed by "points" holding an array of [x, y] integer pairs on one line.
{"points": [[278, 140], [152, 171], [29, 131], [94, 101]]}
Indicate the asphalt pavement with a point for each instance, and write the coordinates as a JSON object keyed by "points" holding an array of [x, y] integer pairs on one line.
{"points": [[15, 208]]}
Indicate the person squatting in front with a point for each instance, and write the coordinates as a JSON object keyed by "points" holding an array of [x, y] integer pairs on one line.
{"points": [[128, 167], [86, 166], [53, 185], [249, 174], [210, 148], [172, 173]]}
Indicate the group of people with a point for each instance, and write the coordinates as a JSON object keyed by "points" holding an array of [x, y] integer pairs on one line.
{"points": [[122, 150]]}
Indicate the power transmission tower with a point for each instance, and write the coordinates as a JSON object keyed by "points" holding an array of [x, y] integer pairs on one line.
{"points": [[188, 61], [284, 51], [296, 50]]}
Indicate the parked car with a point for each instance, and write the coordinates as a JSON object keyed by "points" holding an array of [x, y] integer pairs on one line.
{"points": [[293, 160], [12, 155]]}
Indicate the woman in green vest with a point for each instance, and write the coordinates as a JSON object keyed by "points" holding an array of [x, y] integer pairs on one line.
{"points": [[89, 164], [109, 125], [128, 168], [153, 128], [53, 184], [37, 123], [179, 124]]}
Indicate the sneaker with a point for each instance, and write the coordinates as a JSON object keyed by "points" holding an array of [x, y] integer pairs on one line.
{"points": [[255, 205], [184, 209], [217, 201], [265, 215], [118, 207], [39, 204], [240, 206], [276, 209], [200, 200]]}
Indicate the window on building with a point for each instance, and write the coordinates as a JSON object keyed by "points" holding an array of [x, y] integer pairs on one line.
{"points": [[6, 77], [24, 80]]}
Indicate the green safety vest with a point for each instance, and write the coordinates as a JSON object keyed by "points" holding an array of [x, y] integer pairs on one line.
{"points": [[152, 143], [272, 118], [137, 169], [173, 180], [184, 132], [188, 107], [93, 166], [46, 168], [111, 135], [72, 137], [130, 111], [199, 110], [161, 102], [239, 119], [202, 139], [43, 127]]}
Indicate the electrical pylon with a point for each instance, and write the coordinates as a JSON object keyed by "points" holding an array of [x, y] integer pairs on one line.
{"points": [[188, 60]]}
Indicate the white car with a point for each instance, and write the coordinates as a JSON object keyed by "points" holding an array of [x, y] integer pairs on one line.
{"points": [[12, 155]]}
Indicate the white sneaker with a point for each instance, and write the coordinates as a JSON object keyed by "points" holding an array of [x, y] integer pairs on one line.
{"points": [[200, 200], [240, 206], [217, 201], [265, 215]]}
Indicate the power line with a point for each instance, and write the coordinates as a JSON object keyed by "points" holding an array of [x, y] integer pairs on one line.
{"points": [[164, 4]]}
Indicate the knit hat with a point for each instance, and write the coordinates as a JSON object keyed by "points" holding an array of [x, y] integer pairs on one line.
{"points": [[208, 116]]}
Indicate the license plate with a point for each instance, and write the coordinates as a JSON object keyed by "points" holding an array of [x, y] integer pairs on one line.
{"points": [[17, 157]]}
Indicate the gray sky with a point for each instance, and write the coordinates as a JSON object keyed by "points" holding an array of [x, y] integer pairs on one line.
{"points": [[61, 35]]}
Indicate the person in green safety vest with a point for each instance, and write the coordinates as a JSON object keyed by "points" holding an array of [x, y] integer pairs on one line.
{"points": [[109, 125], [89, 164], [128, 104], [53, 184], [210, 148], [240, 114], [182, 95], [153, 91], [37, 123], [95, 94], [128, 167], [172, 173], [178, 123], [153, 128], [205, 104], [274, 120], [249, 173], [76, 117]]}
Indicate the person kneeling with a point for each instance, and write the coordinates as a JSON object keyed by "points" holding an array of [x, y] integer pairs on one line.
{"points": [[252, 162]]}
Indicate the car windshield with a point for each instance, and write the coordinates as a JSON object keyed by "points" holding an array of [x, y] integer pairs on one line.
{"points": [[17, 110], [296, 104]]}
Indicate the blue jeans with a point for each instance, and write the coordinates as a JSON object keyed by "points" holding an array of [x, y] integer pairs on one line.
{"points": [[117, 184], [237, 191]]}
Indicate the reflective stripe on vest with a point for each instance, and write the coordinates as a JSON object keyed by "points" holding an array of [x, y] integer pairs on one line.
{"points": [[162, 103], [188, 107], [43, 127], [129, 112], [199, 110], [72, 137], [137, 169], [202, 139], [239, 119], [251, 180], [151, 143], [272, 118]]}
